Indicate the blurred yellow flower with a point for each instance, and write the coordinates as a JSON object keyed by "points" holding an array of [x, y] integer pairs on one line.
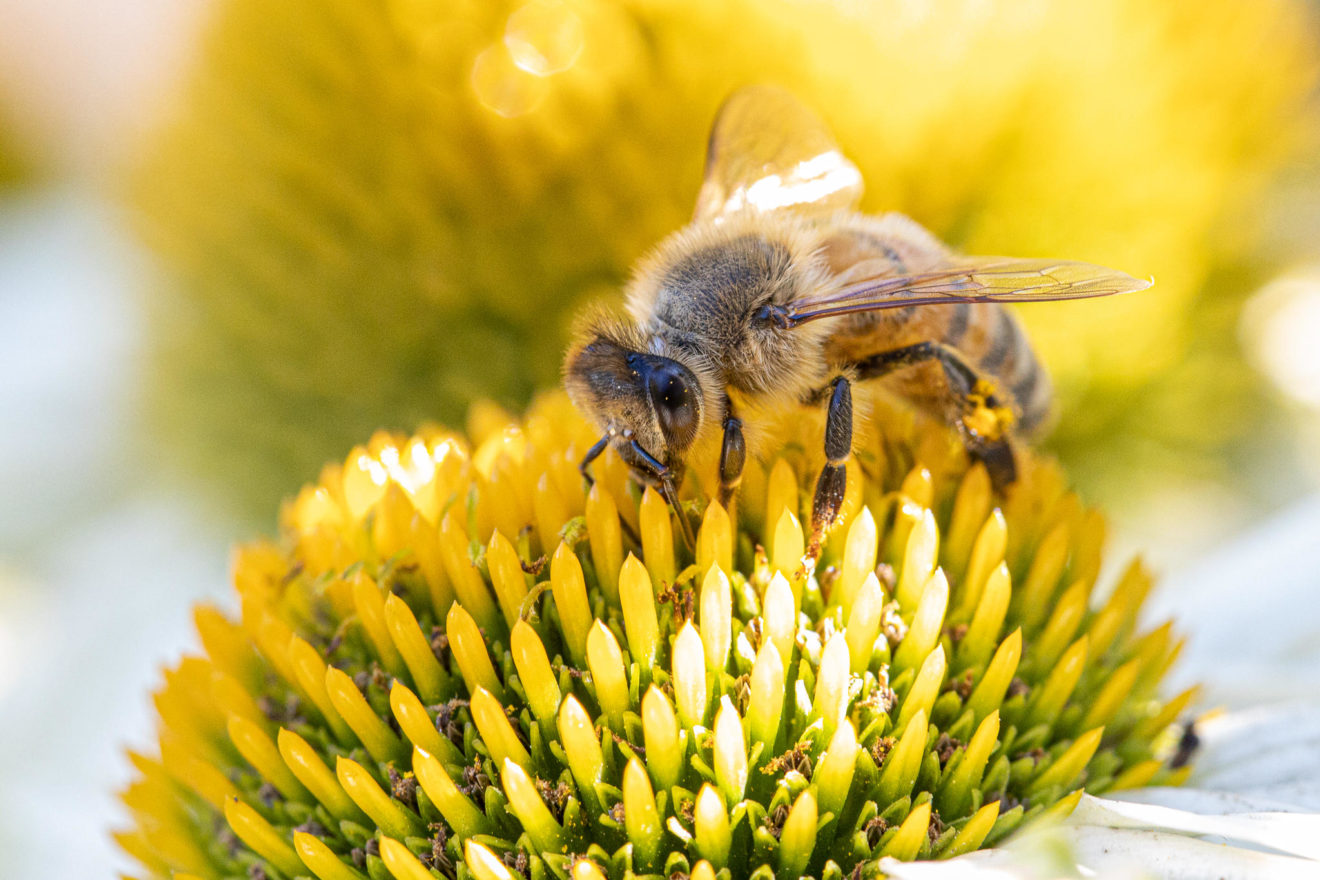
{"points": [[14, 167], [368, 214], [456, 655]]}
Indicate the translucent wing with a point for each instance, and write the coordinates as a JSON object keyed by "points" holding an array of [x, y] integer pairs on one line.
{"points": [[980, 279], [770, 153]]}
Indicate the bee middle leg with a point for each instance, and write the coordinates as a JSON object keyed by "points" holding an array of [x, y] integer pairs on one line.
{"points": [[733, 455], [833, 480], [981, 423]]}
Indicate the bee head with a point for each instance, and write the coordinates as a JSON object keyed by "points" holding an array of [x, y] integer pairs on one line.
{"points": [[651, 403]]}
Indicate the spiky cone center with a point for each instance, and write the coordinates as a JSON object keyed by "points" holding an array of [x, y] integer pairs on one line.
{"points": [[459, 661]]}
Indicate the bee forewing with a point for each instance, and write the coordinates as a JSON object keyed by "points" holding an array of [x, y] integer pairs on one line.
{"points": [[768, 153], [979, 279]]}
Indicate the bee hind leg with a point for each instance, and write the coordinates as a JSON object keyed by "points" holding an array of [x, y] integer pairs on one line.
{"points": [[984, 421], [997, 456], [984, 418], [833, 480]]}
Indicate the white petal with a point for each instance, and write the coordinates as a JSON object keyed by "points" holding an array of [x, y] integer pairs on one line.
{"points": [[1270, 754], [1296, 834], [1200, 800], [986, 864], [1127, 852]]}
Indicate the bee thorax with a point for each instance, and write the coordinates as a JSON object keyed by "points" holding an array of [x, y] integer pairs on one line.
{"points": [[707, 289]]}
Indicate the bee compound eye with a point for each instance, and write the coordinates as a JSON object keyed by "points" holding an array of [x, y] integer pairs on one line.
{"points": [[668, 390], [675, 403]]}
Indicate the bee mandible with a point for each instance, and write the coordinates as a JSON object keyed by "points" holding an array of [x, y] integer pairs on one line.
{"points": [[779, 293]]}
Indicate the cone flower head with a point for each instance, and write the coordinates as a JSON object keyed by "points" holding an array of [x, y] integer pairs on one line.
{"points": [[459, 660]]}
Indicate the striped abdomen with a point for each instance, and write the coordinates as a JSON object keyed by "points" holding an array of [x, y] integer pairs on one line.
{"points": [[985, 335]]}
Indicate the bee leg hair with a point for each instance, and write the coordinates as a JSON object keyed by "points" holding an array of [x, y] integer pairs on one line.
{"points": [[833, 481]]}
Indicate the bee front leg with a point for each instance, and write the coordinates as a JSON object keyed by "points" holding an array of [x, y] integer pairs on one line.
{"points": [[592, 454], [833, 481], [584, 468]]}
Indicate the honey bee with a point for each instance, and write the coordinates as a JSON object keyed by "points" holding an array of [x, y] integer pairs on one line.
{"points": [[779, 293]]}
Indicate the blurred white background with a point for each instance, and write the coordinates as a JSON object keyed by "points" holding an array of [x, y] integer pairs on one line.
{"points": [[98, 567], [101, 557], [100, 560]]}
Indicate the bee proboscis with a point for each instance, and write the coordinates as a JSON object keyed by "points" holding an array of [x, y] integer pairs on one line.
{"points": [[780, 293]]}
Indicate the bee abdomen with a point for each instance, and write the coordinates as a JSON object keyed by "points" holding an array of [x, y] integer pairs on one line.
{"points": [[959, 319], [1033, 393]]}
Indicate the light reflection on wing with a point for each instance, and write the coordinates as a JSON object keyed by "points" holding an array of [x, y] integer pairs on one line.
{"points": [[767, 153]]}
